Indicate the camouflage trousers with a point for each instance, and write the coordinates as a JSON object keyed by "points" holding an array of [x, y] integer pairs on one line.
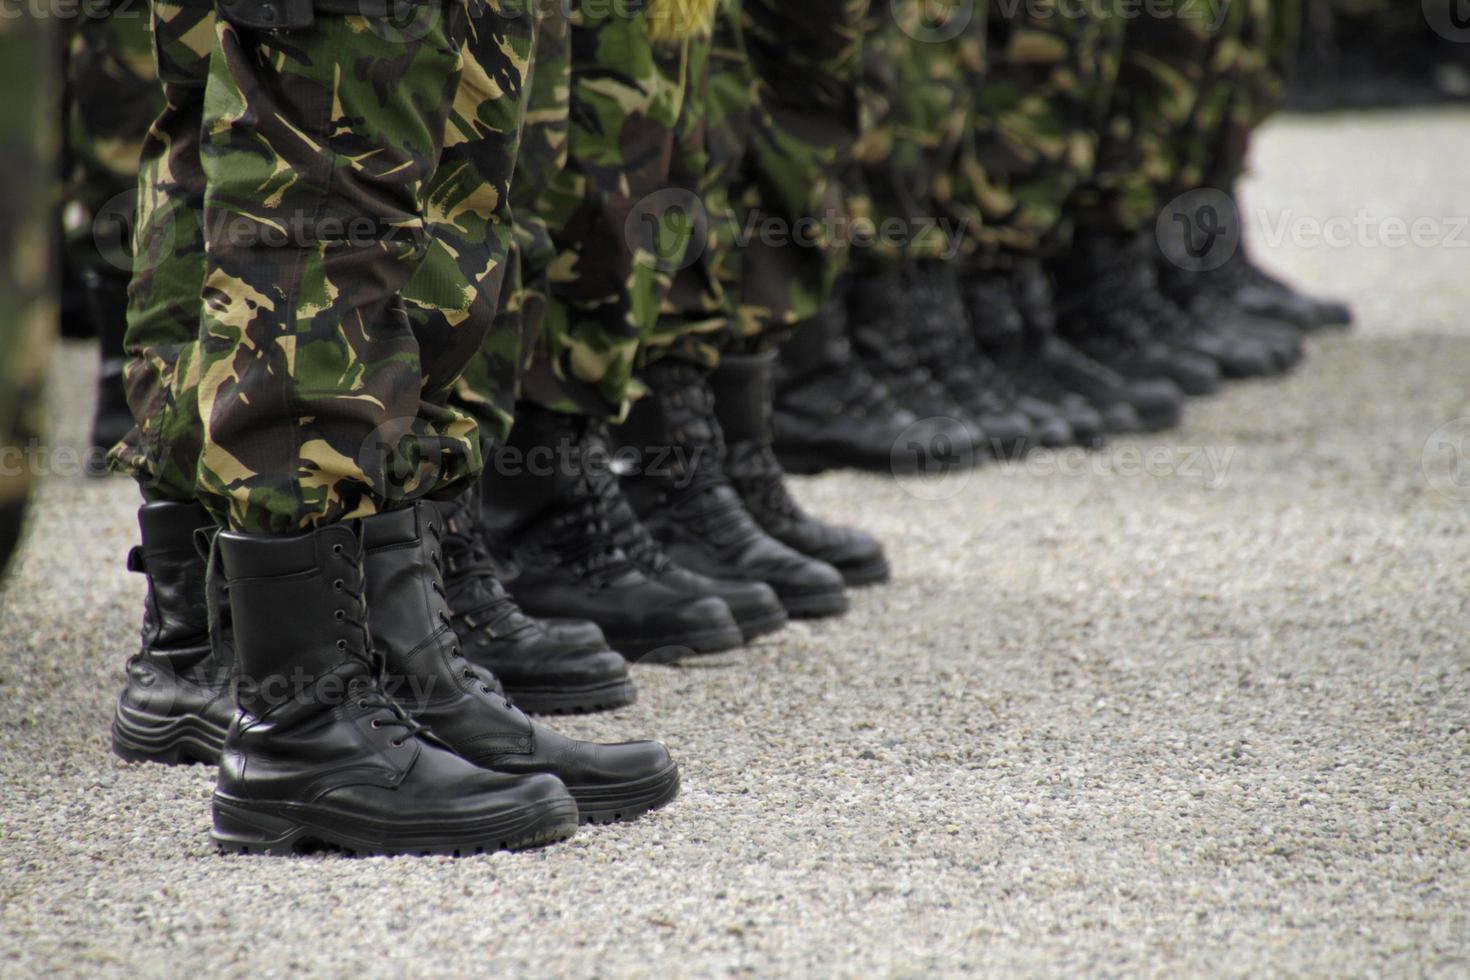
{"points": [[618, 212], [28, 148], [110, 97], [779, 118], [343, 241], [1038, 114], [680, 143], [923, 63], [1192, 86]]}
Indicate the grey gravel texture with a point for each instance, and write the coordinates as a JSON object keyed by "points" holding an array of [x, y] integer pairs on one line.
{"points": [[1195, 705]]}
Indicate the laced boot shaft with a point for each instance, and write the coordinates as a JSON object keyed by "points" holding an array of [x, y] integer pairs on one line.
{"points": [[830, 412], [319, 753], [742, 388], [553, 518], [541, 671], [1098, 313], [690, 506], [176, 706], [412, 626], [893, 331]]}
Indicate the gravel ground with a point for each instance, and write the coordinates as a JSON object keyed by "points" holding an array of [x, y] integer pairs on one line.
{"points": [[1194, 705]]}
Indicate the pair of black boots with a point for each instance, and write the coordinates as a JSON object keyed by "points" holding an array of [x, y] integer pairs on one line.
{"points": [[324, 673], [674, 531], [1111, 339], [928, 372]]}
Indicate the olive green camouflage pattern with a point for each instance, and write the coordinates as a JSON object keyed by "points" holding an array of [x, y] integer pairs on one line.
{"points": [[779, 116], [111, 96], [162, 452], [619, 217], [677, 149], [490, 383], [1038, 112], [28, 148], [349, 165], [923, 62], [1192, 84]]}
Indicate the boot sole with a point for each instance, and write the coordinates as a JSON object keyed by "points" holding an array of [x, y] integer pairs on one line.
{"points": [[753, 627], [810, 463], [815, 605], [675, 648], [874, 571], [574, 701], [180, 741], [241, 827], [627, 801]]}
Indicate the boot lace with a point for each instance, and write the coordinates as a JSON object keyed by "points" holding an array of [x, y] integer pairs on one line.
{"points": [[371, 690], [489, 684]]}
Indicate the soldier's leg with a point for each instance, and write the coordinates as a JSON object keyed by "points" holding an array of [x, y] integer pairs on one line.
{"points": [[112, 95], [323, 145], [27, 288], [1034, 137], [544, 668], [786, 101], [690, 505], [551, 501]]}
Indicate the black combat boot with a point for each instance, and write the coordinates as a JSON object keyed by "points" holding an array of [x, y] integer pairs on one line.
{"points": [[1035, 301], [541, 507], [1256, 291], [540, 669], [178, 704], [1097, 313], [686, 500], [107, 304], [319, 754], [886, 320], [1196, 293], [755, 605], [831, 413], [1007, 344], [742, 389], [1153, 403], [944, 332], [412, 628]]}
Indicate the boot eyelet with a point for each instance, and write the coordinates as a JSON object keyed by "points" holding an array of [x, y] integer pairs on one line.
{"points": [[363, 703], [377, 724], [342, 645], [337, 585], [397, 743], [339, 615], [337, 550]]}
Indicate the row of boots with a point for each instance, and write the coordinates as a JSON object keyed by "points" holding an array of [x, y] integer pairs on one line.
{"points": [[915, 368], [366, 687]]}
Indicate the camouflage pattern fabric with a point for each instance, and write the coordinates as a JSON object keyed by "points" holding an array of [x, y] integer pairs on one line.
{"points": [[923, 62], [1038, 113], [111, 96], [779, 117], [27, 307], [162, 453], [618, 214], [490, 383], [1192, 85], [677, 150], [323, 392]]}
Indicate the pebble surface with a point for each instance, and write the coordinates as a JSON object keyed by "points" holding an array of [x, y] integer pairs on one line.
{"points": [[1199, 704]]}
